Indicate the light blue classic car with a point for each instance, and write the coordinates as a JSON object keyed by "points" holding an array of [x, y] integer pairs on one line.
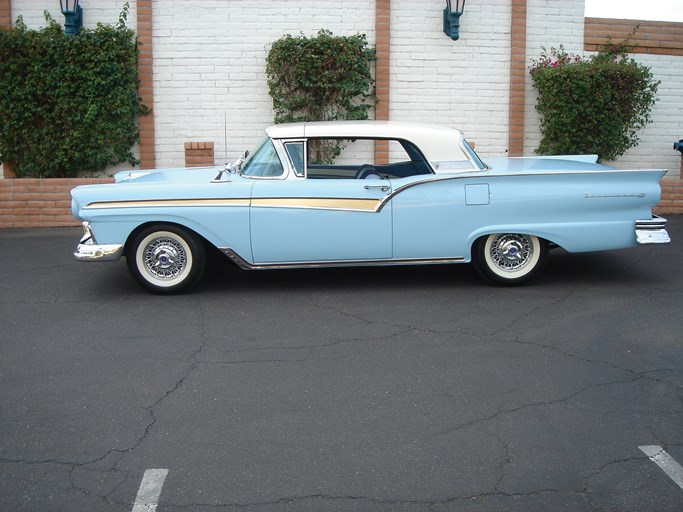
{"points": [[365, 193]]}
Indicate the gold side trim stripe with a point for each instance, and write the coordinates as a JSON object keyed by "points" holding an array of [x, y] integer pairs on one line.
{"points": [[361, 205]]}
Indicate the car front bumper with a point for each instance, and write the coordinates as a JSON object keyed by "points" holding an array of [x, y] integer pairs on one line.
{"points": [[89, 250], [652, 231]]}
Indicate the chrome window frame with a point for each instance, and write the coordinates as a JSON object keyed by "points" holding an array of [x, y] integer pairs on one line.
{"points": [[472, 155], [290, 163]]}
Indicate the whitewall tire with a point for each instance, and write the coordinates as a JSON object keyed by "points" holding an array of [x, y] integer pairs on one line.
{"points": [[510, 258], [166, 259]]}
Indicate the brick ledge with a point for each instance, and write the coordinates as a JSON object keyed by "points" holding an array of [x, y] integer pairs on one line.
{"points": [[39, 203]]}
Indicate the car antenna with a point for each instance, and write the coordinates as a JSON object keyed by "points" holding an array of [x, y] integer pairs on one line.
{"points": [[226, 167], [225, 135]]}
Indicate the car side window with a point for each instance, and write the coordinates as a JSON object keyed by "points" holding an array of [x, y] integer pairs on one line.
{"points": [[337, 158], [295, 152]]}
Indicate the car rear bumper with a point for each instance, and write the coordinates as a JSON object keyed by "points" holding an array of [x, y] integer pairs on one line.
{"points": [[89, 250], [652, 231]]}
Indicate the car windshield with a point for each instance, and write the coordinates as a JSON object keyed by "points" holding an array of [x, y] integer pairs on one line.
{"points": [[263, 162]]}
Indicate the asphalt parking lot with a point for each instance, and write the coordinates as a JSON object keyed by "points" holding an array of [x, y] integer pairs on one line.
{"points": [[405, 388]]}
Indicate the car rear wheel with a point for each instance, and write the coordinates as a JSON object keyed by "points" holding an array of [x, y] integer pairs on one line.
{"points": [[166, 259], [510, 258]]}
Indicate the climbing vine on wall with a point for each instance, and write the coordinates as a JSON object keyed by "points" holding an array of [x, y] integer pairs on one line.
{"points": [[69, 103], [321, 78]]}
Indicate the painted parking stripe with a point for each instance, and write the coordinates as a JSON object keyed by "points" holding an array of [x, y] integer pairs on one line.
{"points": [[150, 490], [664, 461]]}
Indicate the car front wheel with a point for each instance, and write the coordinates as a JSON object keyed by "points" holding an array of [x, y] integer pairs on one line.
{"points": [[510, 258], [166, 259]]}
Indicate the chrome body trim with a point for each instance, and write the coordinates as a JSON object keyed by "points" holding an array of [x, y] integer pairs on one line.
{"points": [[488, 175], [603, 196], [89, 250], [153, 203], [245, 265], [652, 231]]}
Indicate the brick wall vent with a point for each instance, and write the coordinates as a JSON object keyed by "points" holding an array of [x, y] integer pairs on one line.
{"points": [[199, 154]]}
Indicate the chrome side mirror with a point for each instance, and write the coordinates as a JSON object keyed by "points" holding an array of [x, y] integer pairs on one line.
{"points": [[231, 168]]}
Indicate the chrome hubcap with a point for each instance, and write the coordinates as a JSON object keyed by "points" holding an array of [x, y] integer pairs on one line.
{"points": [[164, 258], [511, 252]]}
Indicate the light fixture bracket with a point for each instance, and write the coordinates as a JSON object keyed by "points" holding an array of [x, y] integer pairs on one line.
{"points": [[451, 18]]}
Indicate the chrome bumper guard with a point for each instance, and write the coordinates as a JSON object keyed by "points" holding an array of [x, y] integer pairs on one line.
{"points": [[652, 231], [89, 250]]}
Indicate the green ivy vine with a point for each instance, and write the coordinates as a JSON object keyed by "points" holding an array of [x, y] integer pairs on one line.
{"points": [[70, 103]]}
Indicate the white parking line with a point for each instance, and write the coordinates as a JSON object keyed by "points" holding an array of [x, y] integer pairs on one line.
{"points": [[664, 461], [150, 490]]}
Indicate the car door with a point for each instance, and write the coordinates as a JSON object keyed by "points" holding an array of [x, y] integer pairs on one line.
{"points": [[302, 219], [319, 221], [431, 218]]}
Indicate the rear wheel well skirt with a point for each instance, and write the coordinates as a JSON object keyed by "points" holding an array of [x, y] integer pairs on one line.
{"points": [[542, 234]]}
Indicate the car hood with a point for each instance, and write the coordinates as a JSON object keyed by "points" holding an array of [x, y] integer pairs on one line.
{"points": [[194, 174], [159, 185]]}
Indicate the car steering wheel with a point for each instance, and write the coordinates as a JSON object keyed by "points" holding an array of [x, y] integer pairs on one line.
{"points": [[365, 170]]}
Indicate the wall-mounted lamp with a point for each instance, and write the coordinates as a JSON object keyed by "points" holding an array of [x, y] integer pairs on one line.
{"points": [[73, 17], [451, 18]]}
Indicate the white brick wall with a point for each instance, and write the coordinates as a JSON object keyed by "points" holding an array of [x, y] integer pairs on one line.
{"points": [[464, 83], [209, 61], [213, 63]]}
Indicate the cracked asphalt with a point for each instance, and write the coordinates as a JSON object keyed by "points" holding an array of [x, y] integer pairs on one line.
{"points": [[383, 389]]}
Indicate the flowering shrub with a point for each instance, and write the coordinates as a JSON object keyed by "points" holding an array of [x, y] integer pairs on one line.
{"points": [[557, 57], [592, 105]]}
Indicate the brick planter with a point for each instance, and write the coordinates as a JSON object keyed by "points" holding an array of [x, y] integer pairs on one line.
{"points": [[39, 203]]}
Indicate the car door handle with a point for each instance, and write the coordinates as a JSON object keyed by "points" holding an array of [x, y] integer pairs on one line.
{"points": [[383, 188]]}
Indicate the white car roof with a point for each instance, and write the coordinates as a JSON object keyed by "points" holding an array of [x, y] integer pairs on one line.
{"points": [[437, 143]]}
